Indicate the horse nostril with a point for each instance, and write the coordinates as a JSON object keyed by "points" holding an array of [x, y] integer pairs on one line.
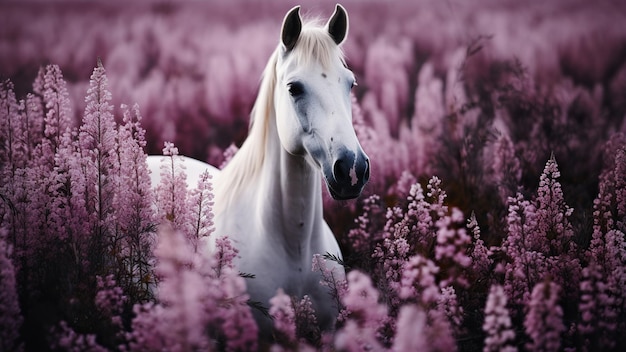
{"points": [[340, 171]]}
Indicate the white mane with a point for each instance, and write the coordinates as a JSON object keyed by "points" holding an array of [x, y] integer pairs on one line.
{"points": [[314, 45]]}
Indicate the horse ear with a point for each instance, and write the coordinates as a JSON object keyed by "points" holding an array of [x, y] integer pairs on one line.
{"points": [[292, 25], [338, 25]]}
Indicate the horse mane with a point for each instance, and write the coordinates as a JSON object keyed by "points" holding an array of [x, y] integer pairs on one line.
{"points": [[314, 45]]}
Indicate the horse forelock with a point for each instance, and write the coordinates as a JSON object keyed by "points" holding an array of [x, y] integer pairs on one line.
{"points": [[316, 45]]}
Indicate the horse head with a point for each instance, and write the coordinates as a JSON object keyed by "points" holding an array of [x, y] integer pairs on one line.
{"points": [[312, 98]]}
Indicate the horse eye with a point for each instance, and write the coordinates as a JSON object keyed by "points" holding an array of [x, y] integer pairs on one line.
{"points": [[296, 89]]}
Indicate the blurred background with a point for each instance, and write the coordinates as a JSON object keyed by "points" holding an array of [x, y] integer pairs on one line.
{"points": [[194, 66]]}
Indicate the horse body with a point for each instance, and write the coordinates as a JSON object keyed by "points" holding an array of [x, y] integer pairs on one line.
{"points": [[268, 199], [193, 170], [277, 224]]}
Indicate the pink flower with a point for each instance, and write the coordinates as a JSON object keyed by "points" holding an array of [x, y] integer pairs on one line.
{"points": [[171, 193], [451, 247], [228, 154], [410, 335], [58, 119], [448, 303], [282, 312], [133, 201], [98, 153], [11, 129], [202, 300], [66, 339], [170, 149], [527, 263], [361, 236], [307, 327], [480, 254], [10, 316], [109, 297], [365, 315], [418, 281], [332, 279], [201, 209], [544, 318], [224, 255], [497, 325]]}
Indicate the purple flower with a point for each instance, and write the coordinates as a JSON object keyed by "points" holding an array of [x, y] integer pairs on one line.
{"points": [[200, 202], [451, 247], [410, 334], [544, 318], [497, 325], [365, 315], [171, 193], [479, 253], [282, 312], [10, 316]]}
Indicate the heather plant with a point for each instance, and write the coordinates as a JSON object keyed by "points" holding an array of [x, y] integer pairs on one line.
{"points": [[133, 213], [527, 264], [200, 202], [306, 322], [66, 339], [180, 296], [601, 287], [98, 161], [295, 323], [110, 299], [418, 283], [365, 315], [61, 219], [201, 301], [9, 125], [506, 167], [11, 320], [451, 249], [172, 191], [425, 255], [406, 233], [497, 325], [410, 334], [553, 220], [597, 311], [448, 303], [544, 319], [333, 280], [360, 237], [284, 316], [539, 245], [479, 253], [51, 86]]}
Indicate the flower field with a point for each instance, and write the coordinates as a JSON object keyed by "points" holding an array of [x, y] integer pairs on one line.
{"points": [[494, 219]]}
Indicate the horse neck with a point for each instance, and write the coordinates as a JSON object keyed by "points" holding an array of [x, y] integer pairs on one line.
{"points": [[290, 196]]}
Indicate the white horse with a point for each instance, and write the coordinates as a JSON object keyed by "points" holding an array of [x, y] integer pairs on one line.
{"points": [[268, 199]]}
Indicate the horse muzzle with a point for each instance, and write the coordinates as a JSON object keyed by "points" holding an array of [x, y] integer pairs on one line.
{"points": [[350, 172]]}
